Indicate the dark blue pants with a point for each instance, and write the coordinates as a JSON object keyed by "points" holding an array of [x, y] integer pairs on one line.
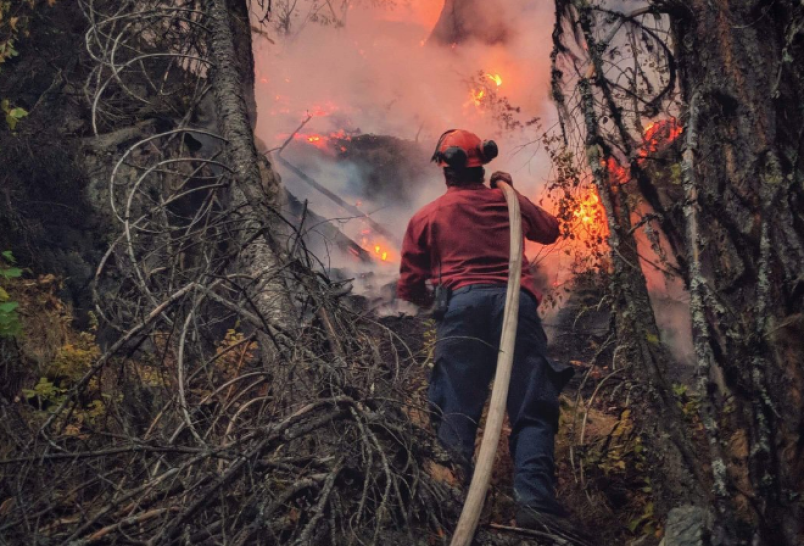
{"points": [[465, 360]]}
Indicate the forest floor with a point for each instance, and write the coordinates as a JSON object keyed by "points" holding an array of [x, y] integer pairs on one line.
{"points": [[600, 462], [599, 455]]}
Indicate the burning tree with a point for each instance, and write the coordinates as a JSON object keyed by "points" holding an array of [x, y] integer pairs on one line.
{"points": [[736, 234]]}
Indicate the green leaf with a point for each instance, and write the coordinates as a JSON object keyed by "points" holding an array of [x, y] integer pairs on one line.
{"points": [[11, 273], [13, 329], [13, 116], [18, 113], [8, 256], [3, 295], [8, 307]]}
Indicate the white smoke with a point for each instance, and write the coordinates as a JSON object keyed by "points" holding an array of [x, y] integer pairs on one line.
{"points": [[378, 75]]}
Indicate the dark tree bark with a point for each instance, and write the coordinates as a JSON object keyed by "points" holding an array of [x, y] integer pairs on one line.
{"points": [[741, 68], [740, 72], [466, 20], [676, 472]]}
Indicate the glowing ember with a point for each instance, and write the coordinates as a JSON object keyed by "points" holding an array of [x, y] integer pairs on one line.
{"points": [[477, 96], [496, 78], [380, 253], [378, 248], [590, 215], [322, 142], [319, 141], [657, 136], [617, 173]]}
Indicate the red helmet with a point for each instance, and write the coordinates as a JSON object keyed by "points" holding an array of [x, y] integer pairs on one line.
{"points": [[458, 148]]}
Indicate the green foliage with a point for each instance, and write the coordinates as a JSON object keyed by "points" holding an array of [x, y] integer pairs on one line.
{"points": [[689, 403], [10, 325], [15, 16], [621, 456], [644, 522], [45, 393], [73, 359], [13, 115]]}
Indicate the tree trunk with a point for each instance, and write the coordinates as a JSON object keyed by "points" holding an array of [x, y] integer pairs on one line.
{"points": [[466, 20], [675, 470], [255, 189], [741, 66]]}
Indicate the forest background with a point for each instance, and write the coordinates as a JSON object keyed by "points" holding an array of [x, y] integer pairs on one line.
{"points": [[186, 361]]}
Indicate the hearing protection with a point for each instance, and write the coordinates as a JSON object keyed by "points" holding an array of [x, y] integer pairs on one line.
{"points": [[459, 149]]}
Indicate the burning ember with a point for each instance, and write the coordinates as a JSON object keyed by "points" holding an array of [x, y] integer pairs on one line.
{"points": [[320, 141], [483, 90], [477, 96], [617, 173], [657, 136], [378, 248]]}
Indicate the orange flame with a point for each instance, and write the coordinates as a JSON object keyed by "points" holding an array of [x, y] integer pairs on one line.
{"points": [[617, 173], [380, 249], [656, 137], [322, 142], [590, 215], [477, 96], [496, 78]]}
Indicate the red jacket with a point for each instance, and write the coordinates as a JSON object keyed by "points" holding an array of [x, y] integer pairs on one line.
{"points": [[462, 238]]}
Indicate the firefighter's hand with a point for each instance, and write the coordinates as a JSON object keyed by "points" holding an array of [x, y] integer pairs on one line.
{"points": [[500, 176]]}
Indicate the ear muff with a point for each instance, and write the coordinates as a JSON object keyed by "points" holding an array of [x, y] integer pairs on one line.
{"points": [[437, 155], [455, 157], [489, 150]]}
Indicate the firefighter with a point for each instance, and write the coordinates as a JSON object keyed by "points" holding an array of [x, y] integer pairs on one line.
{"points": [[459, 244]]}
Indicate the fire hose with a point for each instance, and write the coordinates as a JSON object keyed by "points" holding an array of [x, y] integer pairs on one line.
{"points": [[499, 394]]}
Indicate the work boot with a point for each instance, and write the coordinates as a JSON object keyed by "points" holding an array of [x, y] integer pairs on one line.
{"points": [[558, 524]]}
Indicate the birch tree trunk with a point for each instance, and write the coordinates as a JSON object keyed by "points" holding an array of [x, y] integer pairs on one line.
{"points": [[676, 470]]}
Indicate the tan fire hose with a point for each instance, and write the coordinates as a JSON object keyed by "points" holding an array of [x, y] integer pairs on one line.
{"points": [[499, 394]]}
